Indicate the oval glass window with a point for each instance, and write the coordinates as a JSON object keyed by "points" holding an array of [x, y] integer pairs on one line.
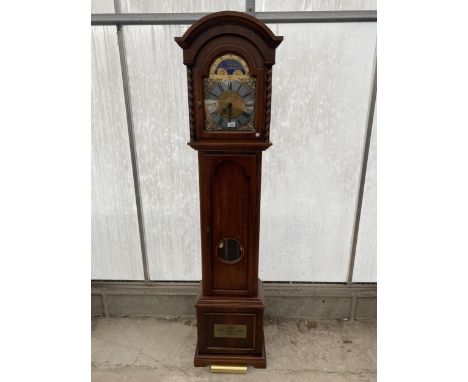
{"points": [[230, 250]]}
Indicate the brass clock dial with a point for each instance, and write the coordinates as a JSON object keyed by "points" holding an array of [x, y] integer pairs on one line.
{"points": [[229, 95]]}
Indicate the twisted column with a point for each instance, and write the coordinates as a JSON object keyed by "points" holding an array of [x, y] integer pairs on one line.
{"points": [[190, 102], [268, 103]]}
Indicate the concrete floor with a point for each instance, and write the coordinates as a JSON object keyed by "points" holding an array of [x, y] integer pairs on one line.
{"points": [[151, 349]]}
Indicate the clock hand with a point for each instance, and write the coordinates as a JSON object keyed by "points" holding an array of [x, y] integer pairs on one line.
{"points": [[224, 109]]}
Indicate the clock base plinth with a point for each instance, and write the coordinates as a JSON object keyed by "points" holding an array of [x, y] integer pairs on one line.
{"points": [[230, 330], [202, 360]]}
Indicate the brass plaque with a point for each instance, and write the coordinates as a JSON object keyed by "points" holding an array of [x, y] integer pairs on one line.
{"points": [[230, 331], [228, 369]]}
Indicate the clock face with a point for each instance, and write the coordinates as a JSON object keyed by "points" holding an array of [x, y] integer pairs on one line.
{"points": [[229, 93]]}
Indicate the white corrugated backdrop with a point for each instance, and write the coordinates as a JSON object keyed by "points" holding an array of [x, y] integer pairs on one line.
{"points": [[310, 182]]}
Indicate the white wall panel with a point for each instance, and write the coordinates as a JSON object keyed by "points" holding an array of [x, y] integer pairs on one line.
{"points": [[365, 265], [321, 86], [115, 240], [181, 6], [102, 6], [168, 167], [314, 5]]}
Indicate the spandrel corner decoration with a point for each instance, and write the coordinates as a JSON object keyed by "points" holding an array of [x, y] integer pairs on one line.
{"points": [[229, 58]]}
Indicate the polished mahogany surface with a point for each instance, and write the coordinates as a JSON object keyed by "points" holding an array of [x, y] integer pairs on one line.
{"points": [[229, 58]]}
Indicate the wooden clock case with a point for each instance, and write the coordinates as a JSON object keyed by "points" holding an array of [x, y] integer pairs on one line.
{"points": [[230, 304]]}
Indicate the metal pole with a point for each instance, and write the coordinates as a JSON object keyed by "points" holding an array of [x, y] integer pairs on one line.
{"points": [[250, 7], [131, 138], [370, 119], [267, 17]]}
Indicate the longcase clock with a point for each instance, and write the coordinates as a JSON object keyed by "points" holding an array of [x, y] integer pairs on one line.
{"points": [[229, 58]]}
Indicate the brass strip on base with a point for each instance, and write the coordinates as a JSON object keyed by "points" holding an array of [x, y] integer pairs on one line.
{"points": [[228, 369]]}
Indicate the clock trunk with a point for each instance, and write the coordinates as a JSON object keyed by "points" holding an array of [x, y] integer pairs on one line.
{"points": [[230, 209]]}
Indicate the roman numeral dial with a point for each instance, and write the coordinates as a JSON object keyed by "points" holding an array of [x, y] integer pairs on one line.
{"points": [[230, 104]]}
